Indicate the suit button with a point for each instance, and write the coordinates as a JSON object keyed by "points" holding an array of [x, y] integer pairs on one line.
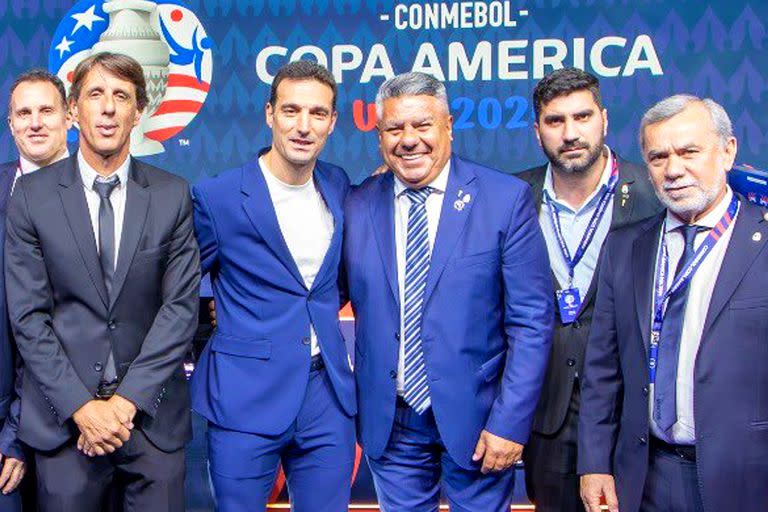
{"points": [[393, 374], [576, 324], [571, 362], [397, 336], [645, 390], [307, 340], [98, 367], [111, 325], [642, 439]]}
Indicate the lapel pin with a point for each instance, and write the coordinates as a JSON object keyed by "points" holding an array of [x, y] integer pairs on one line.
{"points": [[466, 198], [624, 193], [765, 216], [757, 237], [458, 205]]}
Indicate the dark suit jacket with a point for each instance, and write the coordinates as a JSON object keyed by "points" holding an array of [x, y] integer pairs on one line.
{"points": [[64, 322], [730, 375], [570, 340], [9, 400]]}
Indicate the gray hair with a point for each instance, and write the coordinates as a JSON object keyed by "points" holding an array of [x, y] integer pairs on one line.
{"points": [[670, 107], [413, 83]]}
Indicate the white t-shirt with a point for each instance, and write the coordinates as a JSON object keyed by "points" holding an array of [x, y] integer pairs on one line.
{"points": [[306, 225]]}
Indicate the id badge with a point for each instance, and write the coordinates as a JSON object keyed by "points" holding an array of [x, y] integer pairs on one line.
{"points": [[569, 303]]}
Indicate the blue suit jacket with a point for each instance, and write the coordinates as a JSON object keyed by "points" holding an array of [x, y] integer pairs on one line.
{"points": [[9, 400], [730, 379], [253, 373], [487, 315]]}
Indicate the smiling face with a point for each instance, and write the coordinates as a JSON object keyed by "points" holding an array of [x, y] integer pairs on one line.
{"points": [[415, 134], [688, 162], [571, 130], [106, 111], [301, 120], [39, 121]]}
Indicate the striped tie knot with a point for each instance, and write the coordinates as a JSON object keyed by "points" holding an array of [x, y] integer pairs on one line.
{"points": [[418, 196]]}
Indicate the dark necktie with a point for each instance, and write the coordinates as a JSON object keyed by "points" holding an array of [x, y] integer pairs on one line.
{"points": [[107, 250], [665, 391]]}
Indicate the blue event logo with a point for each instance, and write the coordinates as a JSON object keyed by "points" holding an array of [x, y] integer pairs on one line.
{"points": [[165, 37]]}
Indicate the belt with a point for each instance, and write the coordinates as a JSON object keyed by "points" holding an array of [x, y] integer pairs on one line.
{"points": [[317, 363], [684, 451], [106, 390]]}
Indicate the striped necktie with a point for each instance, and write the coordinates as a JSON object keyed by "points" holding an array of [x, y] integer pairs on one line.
{"points": [[417, 254]]}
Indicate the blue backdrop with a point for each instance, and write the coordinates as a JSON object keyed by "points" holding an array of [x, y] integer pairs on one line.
{"points": [[223, 54]]}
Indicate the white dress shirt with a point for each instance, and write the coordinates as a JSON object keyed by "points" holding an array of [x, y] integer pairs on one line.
{"points": [[306, 225], [573, 223], [701, 286], [26, 167], [89, 175], [402, 204]]}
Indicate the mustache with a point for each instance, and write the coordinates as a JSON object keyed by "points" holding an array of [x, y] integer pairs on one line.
{"points": [[572, 145], [669, 185]]}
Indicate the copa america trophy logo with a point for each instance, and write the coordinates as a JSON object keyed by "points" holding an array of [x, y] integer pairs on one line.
{"points": [[166, 38]]}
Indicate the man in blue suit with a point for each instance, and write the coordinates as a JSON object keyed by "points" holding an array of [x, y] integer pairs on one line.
{"points": [[275, 381], [674, 412], [38, 119], [450, 284]]}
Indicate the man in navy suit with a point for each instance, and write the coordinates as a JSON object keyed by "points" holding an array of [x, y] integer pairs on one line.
{"points": [[274, 381], [449, 280], [674, 410], [38, 120]]}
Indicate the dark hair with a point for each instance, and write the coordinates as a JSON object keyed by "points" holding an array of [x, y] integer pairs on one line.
{"points": [[562, 82], [122, 66], [39, 75], [303, 70]]}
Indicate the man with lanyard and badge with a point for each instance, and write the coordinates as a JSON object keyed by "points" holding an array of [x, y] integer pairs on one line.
{"points": [[584, 191], [674, 411], [38, 119]]}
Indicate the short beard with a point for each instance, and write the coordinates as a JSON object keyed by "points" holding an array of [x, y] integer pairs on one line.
{"points": [[692, 207], [573, 166]]}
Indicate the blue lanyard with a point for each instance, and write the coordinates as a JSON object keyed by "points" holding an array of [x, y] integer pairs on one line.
{"points": [[594, 222], [662, 293]]}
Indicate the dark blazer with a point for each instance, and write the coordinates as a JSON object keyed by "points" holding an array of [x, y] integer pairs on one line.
{"points": [[259, 355], [570, 340], [730, 376], [63, 321], [487, 313], [9, 400]]}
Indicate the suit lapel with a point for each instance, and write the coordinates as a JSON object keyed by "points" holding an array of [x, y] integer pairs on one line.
{"points": [[333, 202], [452, 220], [76, 212], [643, 260], [621, 214], [382, 209], [739, 256], [136, 208], [258, 206]]}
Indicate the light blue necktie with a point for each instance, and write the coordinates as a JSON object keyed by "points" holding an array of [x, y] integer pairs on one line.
{"points": [[415, 387]]}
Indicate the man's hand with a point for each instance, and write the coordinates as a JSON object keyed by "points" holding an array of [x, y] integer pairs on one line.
{"points": [[212, 312], [496, 452], [101, 428], [11, 474], [595, 486], [125, 410]]}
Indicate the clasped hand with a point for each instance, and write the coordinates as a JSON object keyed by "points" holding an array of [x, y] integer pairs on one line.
{"points": [[104, 425]]}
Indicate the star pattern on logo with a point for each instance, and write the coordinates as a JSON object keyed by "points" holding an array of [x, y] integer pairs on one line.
{"points": [[64, 46], [86, 19]]}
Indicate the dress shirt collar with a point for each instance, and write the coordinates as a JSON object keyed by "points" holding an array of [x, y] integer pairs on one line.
{"points": [[88, 174], [28, 166], [549, 187], [710, 220], [439, 184]]}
